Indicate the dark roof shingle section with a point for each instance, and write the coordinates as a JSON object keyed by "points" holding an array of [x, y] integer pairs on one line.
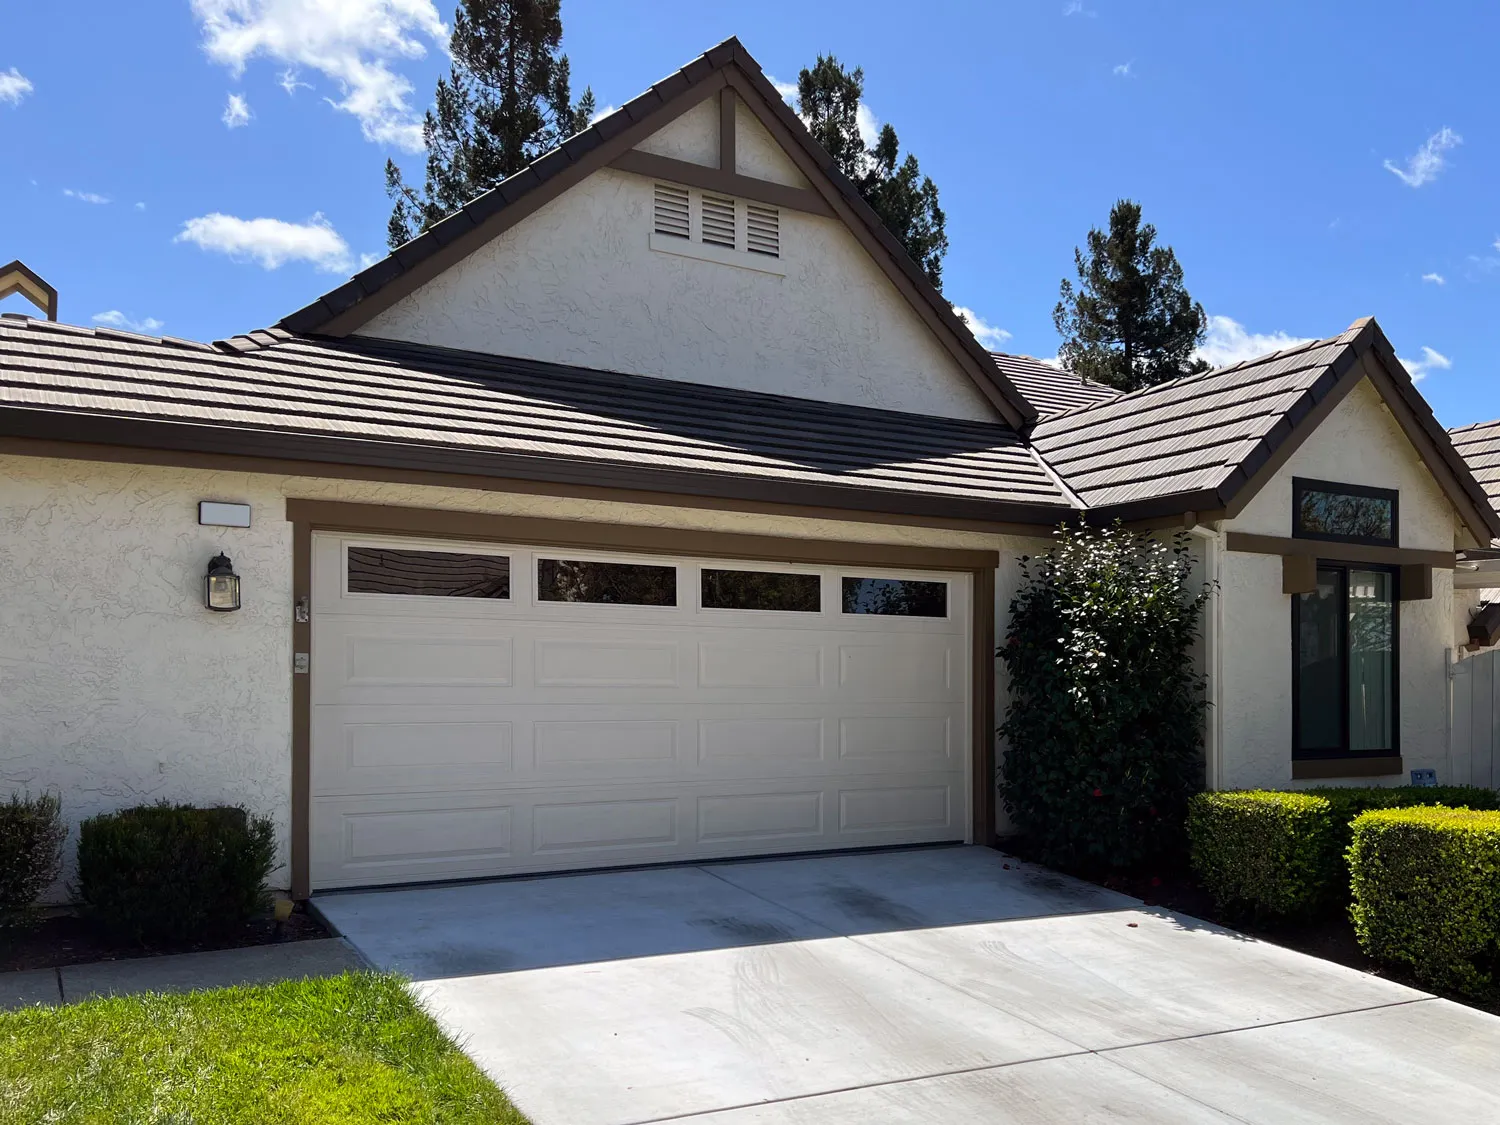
{"points": [[1050, 389], [1479, 445], [414, 396], [1192, 435]]}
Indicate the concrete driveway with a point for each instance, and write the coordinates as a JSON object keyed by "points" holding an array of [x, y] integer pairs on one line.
{"points": [[932, 985]]}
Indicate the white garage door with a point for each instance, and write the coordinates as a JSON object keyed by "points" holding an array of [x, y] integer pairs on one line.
{"points": [[489, 710]]}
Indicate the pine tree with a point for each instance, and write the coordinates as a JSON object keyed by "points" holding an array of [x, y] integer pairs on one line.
{"points": [[1130, 323], [505, 101], [828, 98]]}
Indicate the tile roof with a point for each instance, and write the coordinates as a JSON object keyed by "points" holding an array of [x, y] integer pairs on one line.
{"points": [[489, 213], [1479, 445], [1050, 389], [463, 412]]}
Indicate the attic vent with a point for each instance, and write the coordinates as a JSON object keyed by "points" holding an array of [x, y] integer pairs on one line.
{"points": [[762, 230], [672, 210], [718, 221]]}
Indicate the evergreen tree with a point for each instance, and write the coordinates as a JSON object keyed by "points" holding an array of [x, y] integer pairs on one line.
{"points": [[506, 101], [828, 97], [1130, 323]]}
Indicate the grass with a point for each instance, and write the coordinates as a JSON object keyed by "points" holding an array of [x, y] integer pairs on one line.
{"points": [[339, 1051]]}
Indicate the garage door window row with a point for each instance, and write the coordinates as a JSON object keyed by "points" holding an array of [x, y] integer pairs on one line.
{"points": [[455, 574]]}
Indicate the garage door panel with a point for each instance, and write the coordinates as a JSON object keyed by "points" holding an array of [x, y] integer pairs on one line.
{"points": [[370, 750], [462, 736]]}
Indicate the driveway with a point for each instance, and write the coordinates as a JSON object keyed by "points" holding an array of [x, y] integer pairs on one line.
{"points": [[948, 985]]}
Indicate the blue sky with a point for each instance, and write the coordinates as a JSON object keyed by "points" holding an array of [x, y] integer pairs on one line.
{"points": [[1310, 163]]}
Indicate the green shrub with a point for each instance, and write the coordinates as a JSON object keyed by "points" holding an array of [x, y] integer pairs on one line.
{"points": [[173, 872], [1426, 885], [1105, 725], [1262, 853], [31, 836], [1348, 803]]}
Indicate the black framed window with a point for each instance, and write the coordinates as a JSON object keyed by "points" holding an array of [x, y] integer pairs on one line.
{"points": [[1345, 680], [762, 590], [895, 597], [605, 583], [1344, 513], [432, 574]]}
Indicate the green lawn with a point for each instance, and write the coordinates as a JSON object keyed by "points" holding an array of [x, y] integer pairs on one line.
{"points": [[341, 1051]]}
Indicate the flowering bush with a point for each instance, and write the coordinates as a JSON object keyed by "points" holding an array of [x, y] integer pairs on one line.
{"points": [[1105, 726]]}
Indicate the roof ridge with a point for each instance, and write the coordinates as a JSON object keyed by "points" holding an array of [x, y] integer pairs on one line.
{"points": [[98, 331]]}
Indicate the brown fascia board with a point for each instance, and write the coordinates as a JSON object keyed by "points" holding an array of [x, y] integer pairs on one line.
{"points": [[49, 292], [322, 449], [343, 310]]}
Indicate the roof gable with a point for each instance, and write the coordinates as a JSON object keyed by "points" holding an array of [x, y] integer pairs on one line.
{"points": [[607, 141], [1208, 443]]}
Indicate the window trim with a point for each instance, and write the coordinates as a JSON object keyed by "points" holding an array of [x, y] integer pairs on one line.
{"points": [[704, 568], [426, 547], [1343, 752], [1301, 485], [547, 605], [857, 576]]}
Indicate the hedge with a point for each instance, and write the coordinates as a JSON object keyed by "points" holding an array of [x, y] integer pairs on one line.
{"points": [[173, 872], [1261, 852], [1274, 854], [31, 836], [1426, 887]]}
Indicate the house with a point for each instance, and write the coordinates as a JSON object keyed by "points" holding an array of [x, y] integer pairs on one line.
{"points": [[654, 507]]}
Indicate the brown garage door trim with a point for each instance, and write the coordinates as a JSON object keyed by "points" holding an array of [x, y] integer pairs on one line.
{"points": [[306, 516]]}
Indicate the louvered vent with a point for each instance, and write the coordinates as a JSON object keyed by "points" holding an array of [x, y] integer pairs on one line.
{"points": [[718, 221], [762, 230], [672, 210]]}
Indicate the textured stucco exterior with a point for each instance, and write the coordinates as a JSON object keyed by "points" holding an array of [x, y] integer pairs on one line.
{"points": [[117, 687], [1359, 443], [578, 283]]}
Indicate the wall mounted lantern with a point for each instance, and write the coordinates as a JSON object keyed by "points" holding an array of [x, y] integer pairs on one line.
{"points": [[221, 585]]}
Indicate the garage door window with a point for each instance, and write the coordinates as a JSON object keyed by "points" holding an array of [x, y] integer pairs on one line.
{"points": [[430, 574], [763, 590], [895, 597], [605, 583]]}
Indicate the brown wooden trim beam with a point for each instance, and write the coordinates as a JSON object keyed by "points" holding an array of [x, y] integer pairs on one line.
{"points": [[1325, 769], [983, 786], [301, 713], [718, 180], [727, 132], [445, 524], [1345, 552]]}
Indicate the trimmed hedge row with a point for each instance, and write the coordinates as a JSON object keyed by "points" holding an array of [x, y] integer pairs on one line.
{"points": [[1426, 886], [174, 872], [1272, 854]]}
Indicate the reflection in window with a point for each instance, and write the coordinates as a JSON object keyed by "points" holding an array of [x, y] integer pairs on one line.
{"points": [[605, 583], [895, 597], [1344, 512], [433, 574], [760, 589]]}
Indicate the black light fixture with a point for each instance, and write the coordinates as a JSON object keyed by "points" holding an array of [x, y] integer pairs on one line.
{"points": [[221, 585]]}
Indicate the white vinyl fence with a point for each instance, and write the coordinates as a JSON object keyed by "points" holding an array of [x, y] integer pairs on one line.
{"points": [[1476, 721]]}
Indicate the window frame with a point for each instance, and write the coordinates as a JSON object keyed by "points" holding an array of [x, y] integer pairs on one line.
{"points": [[1343, 751], [848, 575], [1302, 485], [426, 547], [703, 568]]}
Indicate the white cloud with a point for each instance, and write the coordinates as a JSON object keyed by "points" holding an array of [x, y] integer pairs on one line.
{"points": [[354, 43], [140, 206], [236, 112], [605, 112], [270, 243], [369, 258], [85, 196], [987, 334], [14, 86], [1227, 342], [1432, 360], [1428, 160], [1125, 69], [289, 82], [1435, 278], [1076, 8], [787, 90], [114, 318]]}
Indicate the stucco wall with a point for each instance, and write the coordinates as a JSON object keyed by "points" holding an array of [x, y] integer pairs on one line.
{"points": [[578, 283], [117, 687], [1359, 443]]}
